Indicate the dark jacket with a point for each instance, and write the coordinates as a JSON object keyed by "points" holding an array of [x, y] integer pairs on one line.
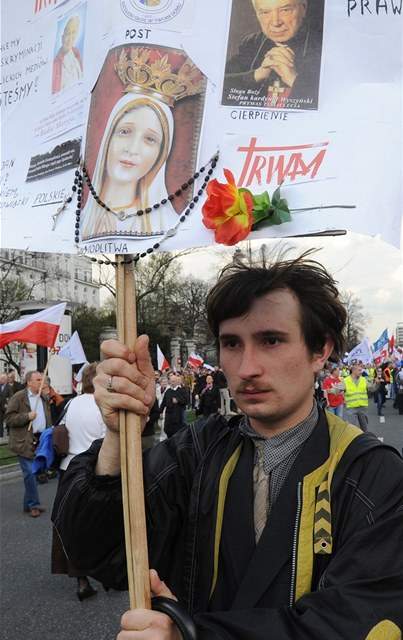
{"points": [[239, 71], [17, 421], [332, 545], [173, 410], [210, 401], [5, 395]]}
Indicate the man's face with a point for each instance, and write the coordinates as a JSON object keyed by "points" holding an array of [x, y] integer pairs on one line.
{"points": [[45, 389], [11, 377], [356, 370], [268, 367], [3, 378], [69, 37], [280, 20], [34, 383], [174, 380]]}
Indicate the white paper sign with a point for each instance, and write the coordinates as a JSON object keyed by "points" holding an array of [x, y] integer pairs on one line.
{"points": [[313, 104]]}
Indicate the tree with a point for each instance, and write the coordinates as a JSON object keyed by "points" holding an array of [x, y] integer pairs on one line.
{"points": [[356, 319], [188, 307], [166, 302], [89, 323], [12, 290]]}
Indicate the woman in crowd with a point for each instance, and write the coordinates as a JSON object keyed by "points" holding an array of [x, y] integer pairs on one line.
{"points": [[84, 424], [210, 398], [380, 394]]}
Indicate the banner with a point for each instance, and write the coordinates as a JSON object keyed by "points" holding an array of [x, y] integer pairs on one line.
{"points": [[114, 110], [380, 348], [361, 352]]}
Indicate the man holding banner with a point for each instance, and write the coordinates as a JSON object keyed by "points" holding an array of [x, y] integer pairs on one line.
{"points": [[280, 523]]}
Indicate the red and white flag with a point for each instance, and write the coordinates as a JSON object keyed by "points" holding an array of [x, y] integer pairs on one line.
{"points": [[38, 328], [162, 361], [194, 361]]}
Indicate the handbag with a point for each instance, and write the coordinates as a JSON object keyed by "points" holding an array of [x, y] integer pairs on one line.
{"points": [[60, 440], [60, 436]]}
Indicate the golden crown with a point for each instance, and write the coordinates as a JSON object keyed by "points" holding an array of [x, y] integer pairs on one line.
{"points": [[169, 76]]}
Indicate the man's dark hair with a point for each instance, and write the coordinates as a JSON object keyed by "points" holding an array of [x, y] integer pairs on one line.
{"points": [[322, 314]]}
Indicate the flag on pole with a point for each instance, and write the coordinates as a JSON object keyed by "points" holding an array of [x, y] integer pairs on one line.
{"points": [[38, 328], [380, 348], [162, 361], [361, 352], [194, 361], [74, 350]]}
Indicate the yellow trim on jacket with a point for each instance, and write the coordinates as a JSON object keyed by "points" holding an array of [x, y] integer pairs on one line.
{"points": [[316, 499], [222, 493]]}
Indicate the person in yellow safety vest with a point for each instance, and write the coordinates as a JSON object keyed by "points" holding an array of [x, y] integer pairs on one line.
{"points": [[356, 388], [370, 371]]}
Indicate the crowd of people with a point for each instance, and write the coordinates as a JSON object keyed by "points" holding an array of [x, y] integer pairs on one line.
{"points": [[346, 389]]}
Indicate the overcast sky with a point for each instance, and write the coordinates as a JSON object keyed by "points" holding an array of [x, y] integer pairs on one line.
{"points": [[368, 267]]}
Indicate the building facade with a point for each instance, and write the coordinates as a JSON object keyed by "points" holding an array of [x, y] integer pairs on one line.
{"points": [[399, 334], [52, 276]]}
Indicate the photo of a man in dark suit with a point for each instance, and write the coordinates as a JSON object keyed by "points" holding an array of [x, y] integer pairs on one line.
{"points": [[278, 66]]}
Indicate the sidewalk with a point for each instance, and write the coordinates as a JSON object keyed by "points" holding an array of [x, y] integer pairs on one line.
{"points": [[9, 472]]}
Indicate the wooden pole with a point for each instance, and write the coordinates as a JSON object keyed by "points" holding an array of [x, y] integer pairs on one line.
{"points": [[130, 449]]}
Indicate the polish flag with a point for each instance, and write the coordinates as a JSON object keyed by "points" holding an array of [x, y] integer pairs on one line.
{"points": [[162, 361], [38, 328], [195, 361]]}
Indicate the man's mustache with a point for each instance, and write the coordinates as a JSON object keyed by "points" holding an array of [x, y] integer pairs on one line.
{"points": [[252, 388]]}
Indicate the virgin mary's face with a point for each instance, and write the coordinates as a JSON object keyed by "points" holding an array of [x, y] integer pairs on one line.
{"points": [[134, 146]]}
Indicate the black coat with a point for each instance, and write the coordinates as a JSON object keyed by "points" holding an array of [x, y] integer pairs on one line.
{"points": [[311, 576], [173, 410], [239, 72], [210, 401]]}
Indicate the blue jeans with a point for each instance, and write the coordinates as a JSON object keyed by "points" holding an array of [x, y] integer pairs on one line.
{"points": [[31, 493], [338, 411], [380, 399]]}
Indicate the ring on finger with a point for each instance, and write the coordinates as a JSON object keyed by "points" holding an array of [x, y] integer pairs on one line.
{"points": [[110, 387]]}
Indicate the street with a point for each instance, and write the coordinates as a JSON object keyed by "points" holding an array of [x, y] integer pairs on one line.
{"points": [[35, 604]]}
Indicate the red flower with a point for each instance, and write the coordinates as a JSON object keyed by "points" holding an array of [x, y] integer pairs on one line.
{"points": [[228, 211]]}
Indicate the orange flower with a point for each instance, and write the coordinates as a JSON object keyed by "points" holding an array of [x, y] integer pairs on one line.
{"points": [[228, 211]]}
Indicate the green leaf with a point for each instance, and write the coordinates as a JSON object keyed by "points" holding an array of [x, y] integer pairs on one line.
{"points": [[281, 214], [261, 202], [261, 207], [266, 214], [276, 197]]}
